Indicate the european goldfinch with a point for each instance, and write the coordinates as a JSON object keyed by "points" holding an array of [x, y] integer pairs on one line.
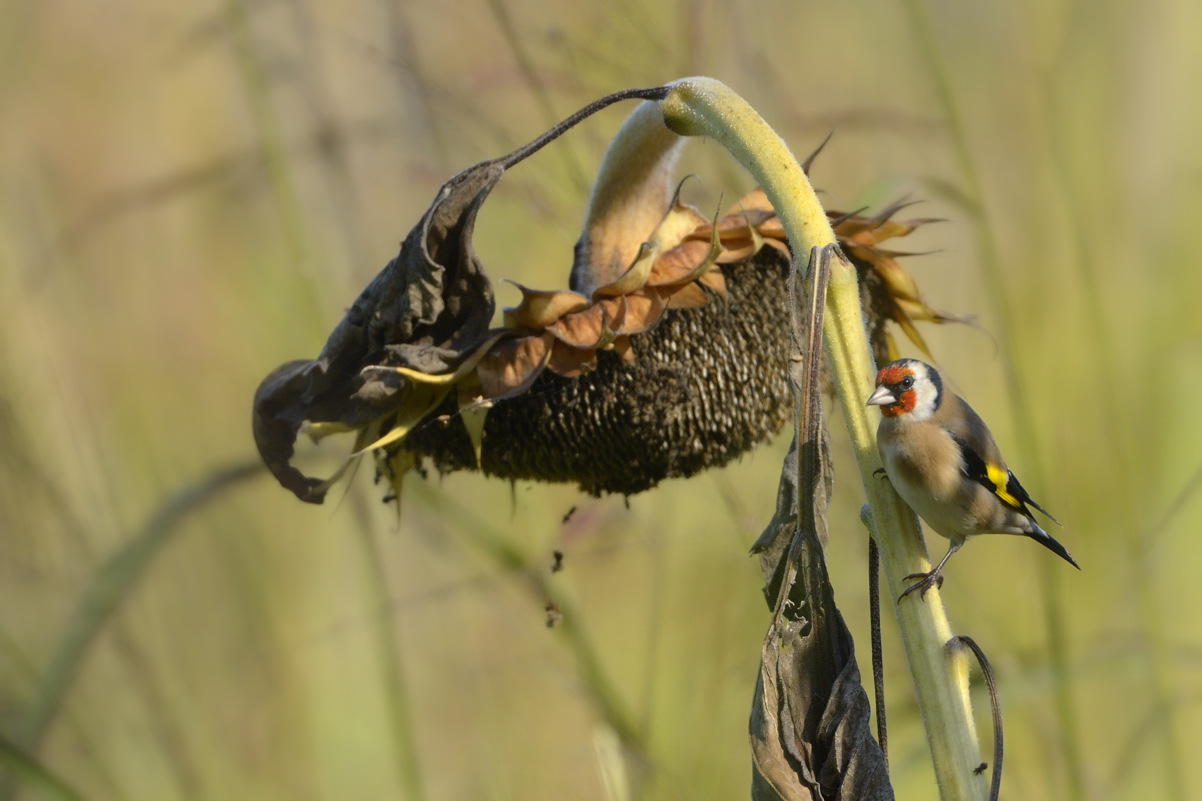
{"points": [[943, 462]]}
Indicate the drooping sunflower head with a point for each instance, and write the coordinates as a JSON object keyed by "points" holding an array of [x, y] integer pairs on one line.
{"points": [[665, 355]]}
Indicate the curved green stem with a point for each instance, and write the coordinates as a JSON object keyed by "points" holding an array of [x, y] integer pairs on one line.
{"points": [[706, 107]]}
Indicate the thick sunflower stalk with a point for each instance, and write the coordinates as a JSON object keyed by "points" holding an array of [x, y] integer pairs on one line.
{"points": [[705, 107]]}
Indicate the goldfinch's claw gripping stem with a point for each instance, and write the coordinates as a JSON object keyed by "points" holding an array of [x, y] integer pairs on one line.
{"points": [[924, 582]]}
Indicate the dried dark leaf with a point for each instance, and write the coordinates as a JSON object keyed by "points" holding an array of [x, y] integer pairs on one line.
{"points": [[426, 310], [810, 729]]}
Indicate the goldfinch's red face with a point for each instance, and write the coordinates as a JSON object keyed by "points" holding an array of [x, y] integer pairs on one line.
{"points": [[906, 387]]}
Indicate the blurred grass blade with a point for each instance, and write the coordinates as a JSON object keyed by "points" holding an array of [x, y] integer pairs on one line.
{"points": [[111, 585], [611, 764], [33, 775], [487, 540], [387, 642]]}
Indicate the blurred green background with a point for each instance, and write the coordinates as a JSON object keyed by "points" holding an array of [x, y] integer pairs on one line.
{"points": [[192, 194]]}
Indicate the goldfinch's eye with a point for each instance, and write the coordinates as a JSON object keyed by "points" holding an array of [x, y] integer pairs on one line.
{"points": [[906, 383]]}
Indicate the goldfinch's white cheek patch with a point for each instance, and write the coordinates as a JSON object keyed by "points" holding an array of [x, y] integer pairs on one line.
{"points": [[924, 398]]}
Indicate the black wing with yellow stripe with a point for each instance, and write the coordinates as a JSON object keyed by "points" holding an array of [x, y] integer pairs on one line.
{"points": [[998, 480]]}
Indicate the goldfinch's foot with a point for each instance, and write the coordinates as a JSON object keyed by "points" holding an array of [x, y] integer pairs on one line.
{"points": [[922, 583]]}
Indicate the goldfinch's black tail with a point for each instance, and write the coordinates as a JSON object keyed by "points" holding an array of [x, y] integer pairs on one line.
{"points": [[1046, 540]]}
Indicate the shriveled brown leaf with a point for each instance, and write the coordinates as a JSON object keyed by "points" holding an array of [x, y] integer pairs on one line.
{"points": [[571, 362], [621, 346], [715, 281], [870, 231], [680, 265], [641, 312], [511, 366], [810, 731], [540, 308], [690, 296], [425, 310], [583, 329]]}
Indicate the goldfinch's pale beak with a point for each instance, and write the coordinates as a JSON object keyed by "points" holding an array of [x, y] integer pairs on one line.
{"points": [[881, 397]]}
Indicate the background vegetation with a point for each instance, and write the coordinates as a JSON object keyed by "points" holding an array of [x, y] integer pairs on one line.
{"points": [[193, 194]]}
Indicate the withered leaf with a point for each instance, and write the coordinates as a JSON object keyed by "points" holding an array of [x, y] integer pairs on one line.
{"points": [[511, 367], [427, 309], [715, 281], [682, 264], [587, 328], [540, 308], [689, 296], [810, 731], [570, 362], [642, 311]]}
